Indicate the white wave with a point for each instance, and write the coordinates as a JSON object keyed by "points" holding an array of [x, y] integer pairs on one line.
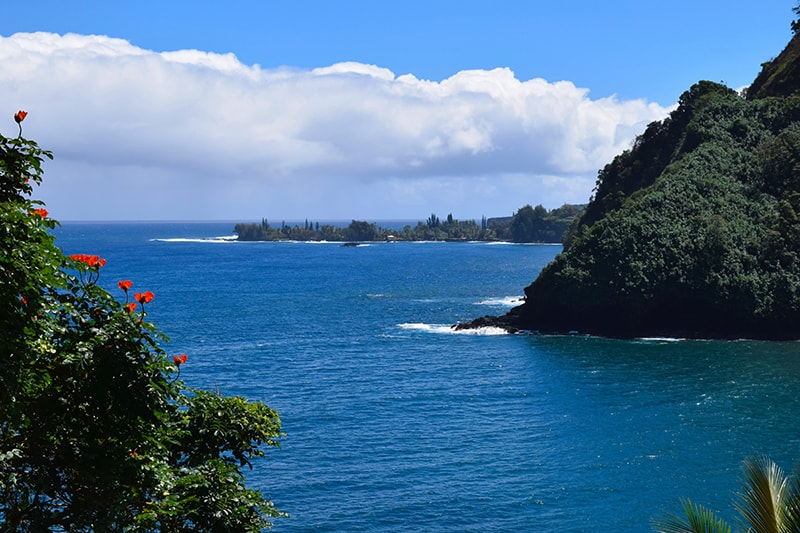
{"points": [[449, 330], [291, 241], [507, 301], [661, 339], [234, 238], [223, 238]]}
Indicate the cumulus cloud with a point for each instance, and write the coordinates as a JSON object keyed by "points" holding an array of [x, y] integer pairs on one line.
{"points": [[201, 135]]}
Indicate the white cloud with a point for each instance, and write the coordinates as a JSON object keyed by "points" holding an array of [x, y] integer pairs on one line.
{"points": [[204, 136]]}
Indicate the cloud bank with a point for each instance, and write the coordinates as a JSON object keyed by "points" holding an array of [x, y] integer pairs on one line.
{"points": [[187, 134]]}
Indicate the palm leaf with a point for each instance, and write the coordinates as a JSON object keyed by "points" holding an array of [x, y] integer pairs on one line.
{"points": [[793, 505], [764, 503], [698, 519]]}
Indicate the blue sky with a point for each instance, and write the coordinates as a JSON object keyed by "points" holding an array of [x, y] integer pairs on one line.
{"points": [[355, 109]]}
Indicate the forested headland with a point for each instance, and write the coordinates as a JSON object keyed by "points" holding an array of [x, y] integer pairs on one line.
{"points": [[692, 232], [527, 225]]}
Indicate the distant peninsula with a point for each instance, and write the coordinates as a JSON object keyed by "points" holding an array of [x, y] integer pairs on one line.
{"points": [[692, 232], [527, 225]]}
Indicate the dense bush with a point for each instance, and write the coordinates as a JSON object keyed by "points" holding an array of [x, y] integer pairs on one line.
{"points": [[97, 431], [693, 231]]}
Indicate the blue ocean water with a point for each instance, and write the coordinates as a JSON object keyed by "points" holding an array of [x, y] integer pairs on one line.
{"points": [[394, 423]]}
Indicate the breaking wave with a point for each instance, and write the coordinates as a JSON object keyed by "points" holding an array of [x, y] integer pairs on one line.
{"points": [[506, 301], [449, 330], [223, 238]]}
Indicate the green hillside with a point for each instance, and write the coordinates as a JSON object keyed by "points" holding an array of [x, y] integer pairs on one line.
{"points": [[694, 231]]}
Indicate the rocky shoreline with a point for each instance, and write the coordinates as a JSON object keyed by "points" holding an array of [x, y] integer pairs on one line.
{"points": [[490, 321]]}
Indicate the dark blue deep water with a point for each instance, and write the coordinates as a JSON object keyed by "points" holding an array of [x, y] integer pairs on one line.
{"points": [[395, 423]]}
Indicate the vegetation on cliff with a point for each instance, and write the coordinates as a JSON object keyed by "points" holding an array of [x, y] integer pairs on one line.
{"points": [[528, 224], [694, 231], [97, 430], [780, 76]]}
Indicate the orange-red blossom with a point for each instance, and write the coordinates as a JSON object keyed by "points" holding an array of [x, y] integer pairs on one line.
{"points": [[125, 284], [92, 260], [20, 115], [144, 297], [41, 212], [179, 359]]}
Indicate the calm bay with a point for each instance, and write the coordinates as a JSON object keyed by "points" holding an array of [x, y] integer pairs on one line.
{"points": [[394, 422]]}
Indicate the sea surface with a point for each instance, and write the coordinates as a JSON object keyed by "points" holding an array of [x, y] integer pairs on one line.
{"points": [[396, 423]]}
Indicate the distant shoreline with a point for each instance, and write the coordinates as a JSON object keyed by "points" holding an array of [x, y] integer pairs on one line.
{"points": [[527, 225]]}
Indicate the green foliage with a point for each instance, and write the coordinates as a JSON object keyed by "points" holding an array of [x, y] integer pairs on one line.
{"points": [[696, 519], [358, 230], [692, 232], [97, 431], [536, 224], [781, 76], [768, 503], [527, 225]]}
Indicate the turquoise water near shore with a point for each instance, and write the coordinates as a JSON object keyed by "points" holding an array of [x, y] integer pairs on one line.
{"points": [[394, 422]]}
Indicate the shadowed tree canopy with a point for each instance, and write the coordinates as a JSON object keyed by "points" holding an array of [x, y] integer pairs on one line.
{"points": [[694, 231]]}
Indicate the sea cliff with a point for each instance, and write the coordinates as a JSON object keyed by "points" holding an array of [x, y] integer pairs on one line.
{"points": [[694, 231]]}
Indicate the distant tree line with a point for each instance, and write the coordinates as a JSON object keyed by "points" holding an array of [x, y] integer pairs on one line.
{"points": [[528, 224]]}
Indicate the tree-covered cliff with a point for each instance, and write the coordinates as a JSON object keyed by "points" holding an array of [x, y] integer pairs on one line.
{"points": [[694, 231]]}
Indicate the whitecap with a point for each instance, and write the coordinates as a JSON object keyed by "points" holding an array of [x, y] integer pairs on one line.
{"points": [[504, 301], [223, 238], [661, 339], [449, 330]]}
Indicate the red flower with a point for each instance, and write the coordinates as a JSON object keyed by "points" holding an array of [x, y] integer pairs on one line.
{"points": [[125, 284], [92, 261], [144, 297], [179, 359], [131, 307], [41, 212], [20, 115]]}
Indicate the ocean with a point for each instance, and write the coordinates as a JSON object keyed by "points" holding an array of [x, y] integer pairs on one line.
{"points": [[396, 423]]}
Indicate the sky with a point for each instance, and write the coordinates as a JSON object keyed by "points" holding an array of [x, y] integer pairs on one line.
{"points": [[354, 109]]}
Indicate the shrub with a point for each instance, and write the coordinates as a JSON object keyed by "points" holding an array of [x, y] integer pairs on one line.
{"points": [[97, 430]]}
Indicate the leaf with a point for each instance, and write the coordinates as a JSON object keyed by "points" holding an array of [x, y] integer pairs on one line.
{"points": [[697, 519]]}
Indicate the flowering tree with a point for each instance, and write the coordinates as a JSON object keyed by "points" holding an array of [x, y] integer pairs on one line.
{"points": [[97, 431]]}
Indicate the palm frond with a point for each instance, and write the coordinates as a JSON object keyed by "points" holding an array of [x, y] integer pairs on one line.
{"points": [[793, 505], [698, 519], [764, 501]]}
